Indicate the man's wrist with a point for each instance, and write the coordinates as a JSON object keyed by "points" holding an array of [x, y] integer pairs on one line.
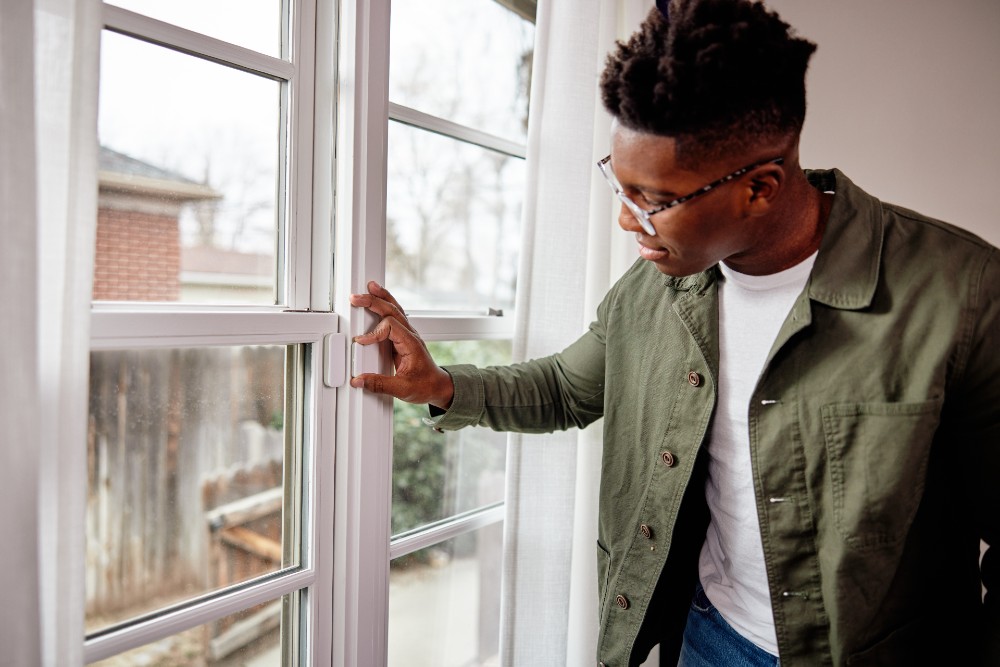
{"points": [[445, 392]]}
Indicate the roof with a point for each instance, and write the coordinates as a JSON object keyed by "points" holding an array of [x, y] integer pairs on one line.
{"points": [[120, 172]]}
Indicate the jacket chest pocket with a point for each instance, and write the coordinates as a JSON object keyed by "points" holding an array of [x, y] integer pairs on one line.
{"points": [[878, 456]]}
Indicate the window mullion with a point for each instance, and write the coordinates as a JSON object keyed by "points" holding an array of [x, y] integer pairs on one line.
{"points": [[445, 530], [364, 421], [194, 43], [192, 615], [123, 329], [448, 128]]}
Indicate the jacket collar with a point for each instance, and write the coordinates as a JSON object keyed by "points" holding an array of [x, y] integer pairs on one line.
{"points": [[696, 283], [846, 271]]}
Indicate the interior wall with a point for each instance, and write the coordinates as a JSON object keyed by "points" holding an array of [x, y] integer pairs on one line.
{"points": [[904, 98]]}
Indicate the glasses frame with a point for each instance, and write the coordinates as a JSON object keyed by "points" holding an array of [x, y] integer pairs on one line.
{"points": [[643, 216]]}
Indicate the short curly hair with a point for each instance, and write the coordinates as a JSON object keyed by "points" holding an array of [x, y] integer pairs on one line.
{"points": [[720, 76]]}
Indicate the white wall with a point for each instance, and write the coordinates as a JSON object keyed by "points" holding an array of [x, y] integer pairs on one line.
{"points": [[904, 97]]}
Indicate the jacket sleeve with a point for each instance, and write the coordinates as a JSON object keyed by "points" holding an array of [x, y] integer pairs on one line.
{"points": [[980, 414], [552, 393]]}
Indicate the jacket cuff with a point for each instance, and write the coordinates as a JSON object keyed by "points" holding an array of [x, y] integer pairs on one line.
{"points": [[466, 404]]}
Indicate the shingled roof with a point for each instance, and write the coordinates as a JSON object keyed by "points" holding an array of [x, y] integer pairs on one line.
{"points": [[122, 173]]}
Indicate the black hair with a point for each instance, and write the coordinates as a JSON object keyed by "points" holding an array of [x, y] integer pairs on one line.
{"points": [[720, 76]]}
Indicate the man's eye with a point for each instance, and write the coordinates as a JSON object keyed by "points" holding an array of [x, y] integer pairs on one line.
{"points": [[650, 203]]}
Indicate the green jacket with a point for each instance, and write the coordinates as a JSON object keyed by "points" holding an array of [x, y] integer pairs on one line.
{"points": [[874, 436]]}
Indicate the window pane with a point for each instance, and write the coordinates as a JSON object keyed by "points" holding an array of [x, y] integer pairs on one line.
{"points": [[255, 24], [437, 475], [453, 222], [469, 62], [444, 603], [188, 459], [188, 204], [250, 638]]}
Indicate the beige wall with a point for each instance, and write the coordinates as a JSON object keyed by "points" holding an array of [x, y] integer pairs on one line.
{"points": [[904, 97]]}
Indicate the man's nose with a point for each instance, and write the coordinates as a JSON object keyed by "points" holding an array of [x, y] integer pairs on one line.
{"points": [[628, 221]]}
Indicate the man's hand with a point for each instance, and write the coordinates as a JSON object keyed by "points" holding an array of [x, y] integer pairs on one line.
{"points": [[417, 379]]}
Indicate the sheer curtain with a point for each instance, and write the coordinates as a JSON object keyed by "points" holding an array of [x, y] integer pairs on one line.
{"points": [[48, 185], [573, 251]]}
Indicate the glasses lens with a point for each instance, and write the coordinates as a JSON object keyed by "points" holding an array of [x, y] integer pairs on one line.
{"points": [[638, 212]]}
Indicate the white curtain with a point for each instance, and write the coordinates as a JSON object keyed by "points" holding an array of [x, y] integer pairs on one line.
{"points": [[573, 251], [19, 615], [48, 185]]}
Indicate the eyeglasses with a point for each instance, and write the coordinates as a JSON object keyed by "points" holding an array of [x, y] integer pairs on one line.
{"points": [[643, 216]]}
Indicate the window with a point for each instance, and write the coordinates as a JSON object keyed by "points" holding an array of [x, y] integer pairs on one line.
{"points": [[210, 439], [459, 78], [238, 503]]}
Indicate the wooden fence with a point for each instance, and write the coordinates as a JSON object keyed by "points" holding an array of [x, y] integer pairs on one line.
{"points": [[174, 434]]}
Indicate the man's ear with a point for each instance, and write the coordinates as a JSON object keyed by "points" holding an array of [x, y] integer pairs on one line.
{"points": [[761, 191]]}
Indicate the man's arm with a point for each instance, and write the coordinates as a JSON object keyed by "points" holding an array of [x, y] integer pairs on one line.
{"points": [[552, 393]]}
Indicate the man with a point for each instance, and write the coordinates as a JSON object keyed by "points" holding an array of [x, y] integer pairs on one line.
{"points": [[800, 384]]}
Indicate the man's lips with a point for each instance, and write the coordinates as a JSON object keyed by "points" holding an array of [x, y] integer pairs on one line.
{"points": [[652, 254]]}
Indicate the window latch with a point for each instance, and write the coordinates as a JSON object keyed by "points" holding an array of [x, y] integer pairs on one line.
{"points": [[335, 360]]}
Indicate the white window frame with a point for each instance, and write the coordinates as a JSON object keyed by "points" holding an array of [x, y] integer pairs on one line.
{"points": [[304, 318], [338, 132], [364, 547]]}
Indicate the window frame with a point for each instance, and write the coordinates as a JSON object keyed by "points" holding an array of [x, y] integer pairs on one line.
{"points": [[304, 281], [338, 133], [450, 326]]}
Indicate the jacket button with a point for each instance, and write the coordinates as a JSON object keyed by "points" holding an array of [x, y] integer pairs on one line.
{"points": [[646, 532], [668, 459], [621, 601], [694, 379]]}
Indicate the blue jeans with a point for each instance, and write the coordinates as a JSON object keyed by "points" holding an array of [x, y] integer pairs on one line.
{"points": [[711, 642]]}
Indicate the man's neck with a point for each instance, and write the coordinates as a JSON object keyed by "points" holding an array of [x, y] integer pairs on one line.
{"points": [[792, 233]]}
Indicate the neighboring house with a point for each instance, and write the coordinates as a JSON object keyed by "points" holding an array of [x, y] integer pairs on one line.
{"points": [[138, 254], [214, 275]]}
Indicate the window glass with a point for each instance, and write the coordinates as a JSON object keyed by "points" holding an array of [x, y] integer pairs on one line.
{"points": [[187, 454], [468, 62], [453, 222], [444, 603], [250, 638], [255, 24], [437, 475], [189, 179]]}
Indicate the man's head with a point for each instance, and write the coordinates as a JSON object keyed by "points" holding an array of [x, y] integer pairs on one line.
{"points": [[708, 106], [719, 77]]}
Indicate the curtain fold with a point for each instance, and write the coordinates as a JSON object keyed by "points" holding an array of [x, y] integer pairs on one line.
{"points": [[67, 53], [572, 252], [19, 615], [48, 185], [67, 50]]}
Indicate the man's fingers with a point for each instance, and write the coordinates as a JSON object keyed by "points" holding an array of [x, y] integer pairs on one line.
{"points": [[384, 294], [391, 329], [378, 384], [380, 306]]}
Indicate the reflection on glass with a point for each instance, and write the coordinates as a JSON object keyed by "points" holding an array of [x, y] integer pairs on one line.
{"points": [[437, 475], [444, 603], [453, 222], [186, 475], [188, 204], [469, 62], [250, 638], [255, 24]]}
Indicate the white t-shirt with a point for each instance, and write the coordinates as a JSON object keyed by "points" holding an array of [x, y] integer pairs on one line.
{"points": [[751, 312]]}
